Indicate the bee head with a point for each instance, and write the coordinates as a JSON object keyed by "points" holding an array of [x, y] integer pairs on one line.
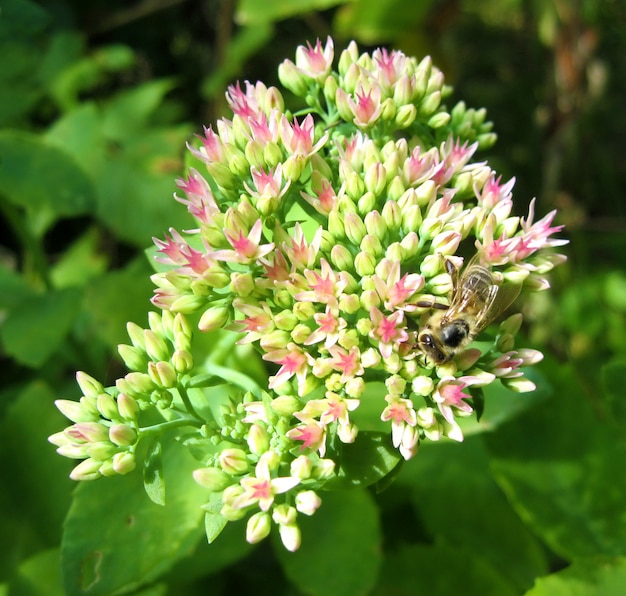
{"points": [[430, 346]]}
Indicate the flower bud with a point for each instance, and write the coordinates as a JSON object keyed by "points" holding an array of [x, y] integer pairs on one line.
{"points": [[156, 348], [392, 215], [355, 228], [187, 304], [291, 78], [133, 358], [212, 479], [76, 411], [307, 502], [214, 317], [519, 384], [127, 407], [369, 299], [275, 340], [258, 439], [300, 333], [446, 243], [341, 257], [364, 263], [123, 463], [107, 407], [88, 469], [242, 284], [135, 332], [354, 387], [301, 467], [162, 374], [422, 385], [349, 303], [88, 385], [406, 116], [371, 245], [439, 120], [366, 203], [323, 469], [286, 405], [233, 461], [285, 320], [122, 435], [259, 524], [354, 186], [336, 224], [182, 361]]}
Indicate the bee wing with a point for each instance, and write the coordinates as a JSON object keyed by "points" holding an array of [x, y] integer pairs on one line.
{"points": [[500, 298]]}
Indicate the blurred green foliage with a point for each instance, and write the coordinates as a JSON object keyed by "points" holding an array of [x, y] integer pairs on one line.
{"points": [[97, 101]]}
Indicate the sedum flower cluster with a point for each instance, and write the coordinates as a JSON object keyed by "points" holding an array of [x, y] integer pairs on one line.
{"points": [[320, 236]]}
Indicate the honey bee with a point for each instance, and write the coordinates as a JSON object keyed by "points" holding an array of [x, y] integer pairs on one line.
{"points": [[475, 301]]}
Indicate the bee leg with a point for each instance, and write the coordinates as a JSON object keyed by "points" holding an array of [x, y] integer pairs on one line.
{"points": [[453, 271], [432, 304]]}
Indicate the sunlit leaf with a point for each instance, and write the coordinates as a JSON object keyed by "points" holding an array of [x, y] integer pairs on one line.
{"points": [[153, 480], [594, 576], [117, 539], [343, 540], [367, 461]]}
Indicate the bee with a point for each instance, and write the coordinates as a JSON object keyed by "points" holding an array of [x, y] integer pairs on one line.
{"points": [[475, 301]]}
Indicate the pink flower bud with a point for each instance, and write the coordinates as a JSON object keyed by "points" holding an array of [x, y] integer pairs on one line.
{"points": [[122, 435]]}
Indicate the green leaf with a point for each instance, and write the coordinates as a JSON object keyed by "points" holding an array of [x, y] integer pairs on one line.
{"points": [[13, 289], [153, 481], [40, 177], [118, 297], [127, 114], [36, 328], [136, 185], [459, 504], [246, 42], [36, 488], [366, 461], [250, 12], [595, 576], [82, 260], [341, 547], [40, 574], [614, 388], [561, 467], [441, 570], [373, 21], [214, 521], [116, 539]]}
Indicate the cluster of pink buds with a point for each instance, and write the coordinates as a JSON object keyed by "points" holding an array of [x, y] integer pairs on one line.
{"points": [[322, 241]]}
